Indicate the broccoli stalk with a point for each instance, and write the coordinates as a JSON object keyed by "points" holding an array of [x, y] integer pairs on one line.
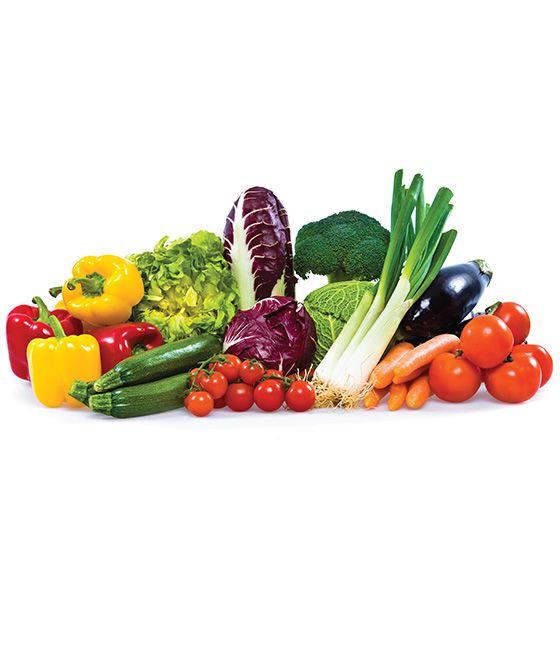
{"points": [[348, 246]]}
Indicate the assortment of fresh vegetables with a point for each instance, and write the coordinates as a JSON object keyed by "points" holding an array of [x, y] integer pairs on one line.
{"points": [[417, 251], [26, 322], [454, 368], [206, 323]]}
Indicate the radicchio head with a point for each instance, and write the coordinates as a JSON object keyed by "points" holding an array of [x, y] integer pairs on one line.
{"points": [[278, 331], [258, 248]]}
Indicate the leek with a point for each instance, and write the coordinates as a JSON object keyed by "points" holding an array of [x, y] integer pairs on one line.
{"points": [[417, 251]]}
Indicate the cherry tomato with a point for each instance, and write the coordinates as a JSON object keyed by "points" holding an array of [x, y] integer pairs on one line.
{"points": [[300, 396], [215, 383], [269, 394], [541, 355], [194, 376], [486, 341], [516, 318], [273, 372], [220, 403], [199, 402], [239, 396], [515, 380], [251, 371], [229, 368], [454, 378]]}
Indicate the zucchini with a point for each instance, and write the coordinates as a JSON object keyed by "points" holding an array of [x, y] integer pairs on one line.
{"points": [[142, 399], [168, 359]]}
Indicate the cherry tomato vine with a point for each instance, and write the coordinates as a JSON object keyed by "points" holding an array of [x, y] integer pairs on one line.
{"points": [[228, 381]]}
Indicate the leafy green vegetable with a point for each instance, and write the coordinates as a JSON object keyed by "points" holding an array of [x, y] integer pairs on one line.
{"points": [[330, 307], [189, 288]]}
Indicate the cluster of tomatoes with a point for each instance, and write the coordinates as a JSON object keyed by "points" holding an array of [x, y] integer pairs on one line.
{"points": [[228, 381], [492, 350]]}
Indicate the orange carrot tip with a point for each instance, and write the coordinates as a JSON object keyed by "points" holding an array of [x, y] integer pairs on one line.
{"points": [[397, 396], [372, 398], [418, 392]]}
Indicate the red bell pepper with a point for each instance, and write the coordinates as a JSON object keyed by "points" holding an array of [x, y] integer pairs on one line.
{"points": [[25, 323], [117, 342]]}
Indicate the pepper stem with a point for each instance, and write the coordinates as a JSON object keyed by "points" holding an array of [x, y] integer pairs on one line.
{"points": [[43, 311], [92, 284], [49, 318]]}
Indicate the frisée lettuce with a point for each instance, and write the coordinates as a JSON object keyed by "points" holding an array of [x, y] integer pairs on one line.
{"points": [[188, 287]]}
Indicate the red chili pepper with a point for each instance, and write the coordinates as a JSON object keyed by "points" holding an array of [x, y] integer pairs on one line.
{"points": [[117, 342], [25, 323]]}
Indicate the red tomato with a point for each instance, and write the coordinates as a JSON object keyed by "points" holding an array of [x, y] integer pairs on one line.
{"points": [[215, 383], [515, 380], [199, 402], [229, 368], [300, 396], [194, 376], [269, 395], [541, 355], [454, 379], [273, 372], [239, 396], [220, 403], [516, 318], [251, 371], [486, 341]]}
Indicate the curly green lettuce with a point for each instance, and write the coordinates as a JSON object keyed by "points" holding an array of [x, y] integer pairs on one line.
{"points": [[188, 287]]}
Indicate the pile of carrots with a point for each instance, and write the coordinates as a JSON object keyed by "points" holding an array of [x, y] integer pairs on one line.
{"points": [[403, 373]]}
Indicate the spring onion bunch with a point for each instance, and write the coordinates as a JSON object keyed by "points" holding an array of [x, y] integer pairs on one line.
{"points": [[417, 250]]}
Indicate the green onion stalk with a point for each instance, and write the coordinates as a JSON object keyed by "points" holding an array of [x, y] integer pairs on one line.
{"points": [[417, 250]]}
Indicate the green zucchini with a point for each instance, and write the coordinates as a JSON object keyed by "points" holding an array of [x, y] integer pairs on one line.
{"points": [[142, 399], [168, 359]]}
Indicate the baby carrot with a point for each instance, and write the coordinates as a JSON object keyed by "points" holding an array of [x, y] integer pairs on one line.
{"points": [[424, 353], [418, 392], [382, 373], [397, 395], [374, 396]]}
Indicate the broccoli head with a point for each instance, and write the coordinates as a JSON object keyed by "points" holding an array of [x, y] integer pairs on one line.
{"points": [[343, 247]]}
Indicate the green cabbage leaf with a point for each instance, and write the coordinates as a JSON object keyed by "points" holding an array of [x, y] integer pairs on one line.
{"points": [[188, 287]]}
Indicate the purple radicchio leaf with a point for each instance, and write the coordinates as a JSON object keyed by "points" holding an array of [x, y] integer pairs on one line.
{"points": [[278, 331], [258, 247]]}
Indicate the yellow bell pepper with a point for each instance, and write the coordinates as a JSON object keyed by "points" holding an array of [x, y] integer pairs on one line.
{"points": [[102, 290], [56, 362]]}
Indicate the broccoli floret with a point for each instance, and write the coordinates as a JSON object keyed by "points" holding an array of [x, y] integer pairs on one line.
{"points": [[343, 247]]}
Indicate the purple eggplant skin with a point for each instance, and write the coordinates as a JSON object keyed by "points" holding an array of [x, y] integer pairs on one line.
{"points": [[449, 299]]}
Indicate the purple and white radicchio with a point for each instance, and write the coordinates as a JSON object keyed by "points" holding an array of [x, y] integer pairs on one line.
{"points": [[258, 247], [278, 331]]}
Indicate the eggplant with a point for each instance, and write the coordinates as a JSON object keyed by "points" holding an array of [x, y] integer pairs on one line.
{"points": [[451, 297]]}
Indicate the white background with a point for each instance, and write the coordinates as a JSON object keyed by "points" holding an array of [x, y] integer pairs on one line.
{"points": [[368, 539]]}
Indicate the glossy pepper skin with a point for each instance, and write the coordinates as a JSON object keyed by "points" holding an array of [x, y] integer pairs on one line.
{"points": [[117, 342], [26, 322], [55, 363], [102, 290]]}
